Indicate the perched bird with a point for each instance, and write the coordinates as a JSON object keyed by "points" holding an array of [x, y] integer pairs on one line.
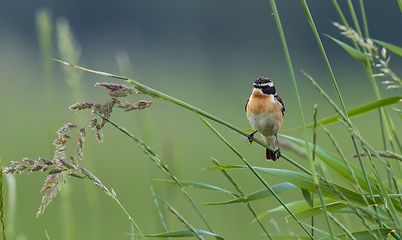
{"points": [[265, 111]]}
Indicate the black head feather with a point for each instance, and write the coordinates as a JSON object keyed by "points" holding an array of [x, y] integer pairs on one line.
{"points": [[265, 84]]}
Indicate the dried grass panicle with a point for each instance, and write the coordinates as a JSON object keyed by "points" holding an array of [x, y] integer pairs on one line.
{"points": [[31, 166], [353, 35], [98, 133], [60, 141], [82, 132], [66, 163], [118, 90], [66, 128], [138, 105], [37, 167], [81, 106], [88, 174], [77, 175], [380, 56], [47, 162], [18, 168], [28, 160], [60, 167], [56, 170], [97, 108], [105, 110], [107, 107], [52, 185], [93, 122], [78, 153]]}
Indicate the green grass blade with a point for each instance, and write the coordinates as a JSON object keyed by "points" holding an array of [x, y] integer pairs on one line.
{"points": [[363, 235], [317, 211], [340, 168], [223, 167], [308, 196], [241, 193], [196, 185], [399, 4], [161, 218], [158, 161], [366, 31], [313, 164], [388, 203], [156, 93], [352, 51], [296, 206], [45, 32], [391, 47], [253, 171], [305, 181], [323, 53], [399, 112], [184, 233], [3, 229], [188, 225], [264, 193], [336, 164], [289, 237], [70, 50], [360, 110], [234, 183]]}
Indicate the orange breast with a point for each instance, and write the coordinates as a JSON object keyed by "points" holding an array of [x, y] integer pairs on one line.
{"points": [[267, 106], [259, 103]]}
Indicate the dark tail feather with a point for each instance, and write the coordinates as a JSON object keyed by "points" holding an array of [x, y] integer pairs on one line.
{"points": [[270, 155]]}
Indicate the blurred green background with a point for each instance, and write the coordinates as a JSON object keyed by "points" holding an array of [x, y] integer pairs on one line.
{"points": [[206, 53]]}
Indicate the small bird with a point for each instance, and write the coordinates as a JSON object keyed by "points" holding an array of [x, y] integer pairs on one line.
{"points": [[265, 111]]}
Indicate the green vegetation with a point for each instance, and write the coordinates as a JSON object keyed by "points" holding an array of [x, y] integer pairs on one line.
{"points": [[340, 197]]}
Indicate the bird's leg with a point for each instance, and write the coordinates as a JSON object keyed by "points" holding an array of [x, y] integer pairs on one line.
{"points": [[278, 151], [251, 137]]}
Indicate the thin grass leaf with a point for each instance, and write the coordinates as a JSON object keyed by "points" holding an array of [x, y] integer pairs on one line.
{"points": [[158, 161], [363, 235], [352, 51], [388, 203], [317, 211], [3, 230], [253, 171], [229, 178], [308, 196], [241, 194], [296, 206], [391, 47], [289, 237], [223, 167], [162, 220], [341, 226], [264, 193], [399, 112], [369, 107], [319, 230], [188, 225], [197, 185], [183, 233], [336, 164], [70, 50], [306, 182], [152, 92]]}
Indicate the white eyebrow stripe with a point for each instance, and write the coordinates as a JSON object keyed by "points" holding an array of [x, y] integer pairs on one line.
{"points": [[270, 84]]}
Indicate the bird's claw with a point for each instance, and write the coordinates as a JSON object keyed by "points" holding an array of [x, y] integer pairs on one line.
{"points": [[251, 137], [278, 153]]}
